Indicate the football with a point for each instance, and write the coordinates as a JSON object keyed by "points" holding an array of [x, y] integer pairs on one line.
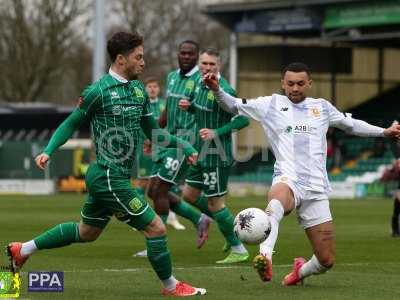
{"points": [[252, 226]]}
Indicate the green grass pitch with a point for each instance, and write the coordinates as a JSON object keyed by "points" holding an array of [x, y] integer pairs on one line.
{"points": [[368, 259]]}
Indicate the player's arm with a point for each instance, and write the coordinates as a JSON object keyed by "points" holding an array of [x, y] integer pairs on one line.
{"points": [[60, 136], [162, 120], [255, 109], [358, 127], [236, 123], [163, 138], [67, 128], [186, 105]]}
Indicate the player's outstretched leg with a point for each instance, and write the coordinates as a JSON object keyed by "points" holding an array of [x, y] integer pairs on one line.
{"points": [[302, 269], [262, 263], [224, 219], [58, 236], [160, 259]]}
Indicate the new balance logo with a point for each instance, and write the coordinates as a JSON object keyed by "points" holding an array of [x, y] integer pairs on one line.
{"points": [[284, 108], [114, 95]]}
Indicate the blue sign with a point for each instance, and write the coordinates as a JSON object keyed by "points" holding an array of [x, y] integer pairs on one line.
{"points": [[45, 281]]}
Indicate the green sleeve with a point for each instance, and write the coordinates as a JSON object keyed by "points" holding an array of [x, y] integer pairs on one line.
{"points": [[65, 131], [163, 138], [238, 122]]}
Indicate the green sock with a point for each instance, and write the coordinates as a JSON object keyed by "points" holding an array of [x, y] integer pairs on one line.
{"points": [[224, 220], [159, 256], [183, 209], [164, 218], [59, 236], [140, 192], [202, 204]]}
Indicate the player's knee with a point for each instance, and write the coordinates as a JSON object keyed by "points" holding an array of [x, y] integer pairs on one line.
{"points": [[155, 228], [89, 234]]}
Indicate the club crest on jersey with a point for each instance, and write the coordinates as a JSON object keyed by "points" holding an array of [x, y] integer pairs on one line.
{"points": [[189, 85], [138, 92], [315, 112], [210, 96]]}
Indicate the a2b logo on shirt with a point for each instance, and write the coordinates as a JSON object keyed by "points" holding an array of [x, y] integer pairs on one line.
{"points": [[45, 281]]}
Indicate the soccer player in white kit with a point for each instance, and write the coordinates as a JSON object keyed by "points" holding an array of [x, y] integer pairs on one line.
{"points": [[296, 127]]}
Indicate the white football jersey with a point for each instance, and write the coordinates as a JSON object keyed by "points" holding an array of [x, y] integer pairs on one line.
{"points": [[297, 134]]}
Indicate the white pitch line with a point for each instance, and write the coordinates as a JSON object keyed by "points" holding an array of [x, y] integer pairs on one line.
{"points": [[216, 267]]}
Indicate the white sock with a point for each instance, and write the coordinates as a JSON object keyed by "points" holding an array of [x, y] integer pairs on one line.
{"points": [[172, 215], [170, 283], [275, 210], [239, 249], [312, 267], [28, 248]]}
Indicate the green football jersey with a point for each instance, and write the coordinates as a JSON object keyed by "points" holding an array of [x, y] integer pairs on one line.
{"points": [[180, 122], [208, 114], [156, 107], [114, 108]]}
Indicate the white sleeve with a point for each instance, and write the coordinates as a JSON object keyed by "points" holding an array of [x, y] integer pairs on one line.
{"points": [[357, 127], [252, 108]]}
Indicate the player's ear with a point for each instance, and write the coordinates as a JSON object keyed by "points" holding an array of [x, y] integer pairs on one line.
{"points": [[282, 84], [310, 82]]}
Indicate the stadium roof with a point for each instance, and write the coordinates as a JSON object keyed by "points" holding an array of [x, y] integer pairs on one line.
{"points": [[372, 22], [33, 108]]}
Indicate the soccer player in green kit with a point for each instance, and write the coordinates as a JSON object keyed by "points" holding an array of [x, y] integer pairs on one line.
{"points": [[117, 107], [144, 161], [170, 165], [214, 143]]}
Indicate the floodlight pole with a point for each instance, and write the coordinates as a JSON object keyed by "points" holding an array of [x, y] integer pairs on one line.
{"points": [[233, 61], [99, 41]]}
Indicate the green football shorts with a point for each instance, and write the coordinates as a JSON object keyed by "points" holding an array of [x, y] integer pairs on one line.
{"points": [[213, 181], [171, 167], [111, 194]]}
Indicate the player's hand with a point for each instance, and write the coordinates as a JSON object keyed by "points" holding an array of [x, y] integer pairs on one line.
{"points": [[211, 80], [147, 147], [184, 104], [207, 134], [392, 131], [42, 160], [192, 159]]}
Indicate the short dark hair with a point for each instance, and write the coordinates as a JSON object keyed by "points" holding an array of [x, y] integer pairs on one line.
{"points": [[195, 44], [296, 67], [211, 51], [123, 43], [151, 79]]}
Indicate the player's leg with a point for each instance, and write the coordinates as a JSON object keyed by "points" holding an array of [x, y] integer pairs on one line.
{"points": [[224, 218], [395, 216], [135, 211], [315, 217], [280, 202], [95, 217], [158, 192], [172, 170]]}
